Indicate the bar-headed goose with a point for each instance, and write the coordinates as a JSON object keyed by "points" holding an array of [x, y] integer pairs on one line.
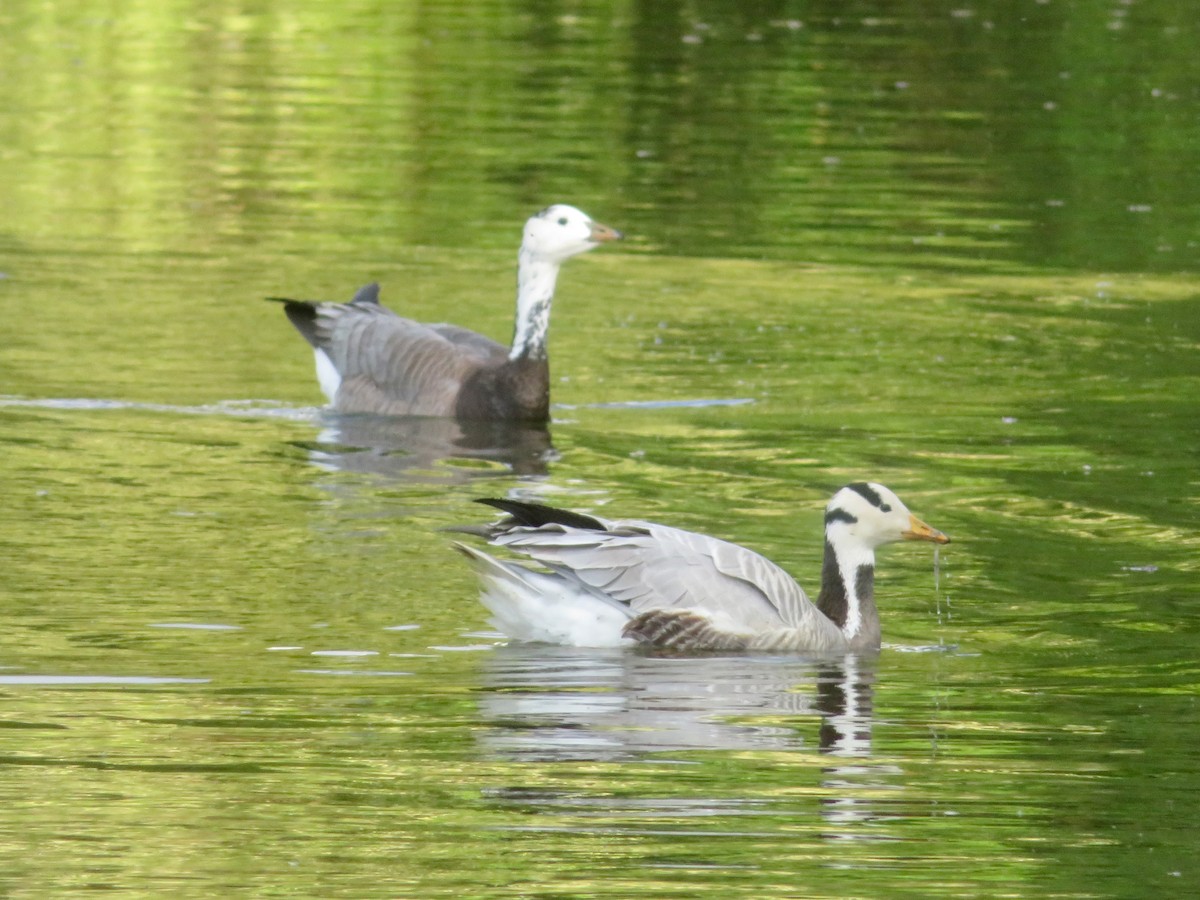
{"points": [[609, 583], [370, 360]]}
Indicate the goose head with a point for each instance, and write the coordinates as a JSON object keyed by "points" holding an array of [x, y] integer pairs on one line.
{"points": [[560, 231], [868, 515]]}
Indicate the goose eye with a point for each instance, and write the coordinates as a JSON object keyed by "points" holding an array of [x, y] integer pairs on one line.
{"points": [[884, 507], [562, 220]]}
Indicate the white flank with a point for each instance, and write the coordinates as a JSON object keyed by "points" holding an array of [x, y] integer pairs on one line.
{"points": [[543, 608], [327, 375]]}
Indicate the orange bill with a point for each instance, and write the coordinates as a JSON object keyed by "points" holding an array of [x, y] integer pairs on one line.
{"points": [[604, 233], [919, 531]]}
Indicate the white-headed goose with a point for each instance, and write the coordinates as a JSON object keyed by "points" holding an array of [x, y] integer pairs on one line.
{"points": [[608, 583], [370, 360]]}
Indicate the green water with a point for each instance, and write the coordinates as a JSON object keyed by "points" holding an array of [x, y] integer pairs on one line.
{"points": [[951, 248]]}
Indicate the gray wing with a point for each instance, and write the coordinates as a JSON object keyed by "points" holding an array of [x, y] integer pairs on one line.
{"points": [[392, 365], [472, 341], [652, 567]]}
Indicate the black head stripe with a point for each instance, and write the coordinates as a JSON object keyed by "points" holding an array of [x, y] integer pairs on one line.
{"points": [[839, 515], [869, 494]]}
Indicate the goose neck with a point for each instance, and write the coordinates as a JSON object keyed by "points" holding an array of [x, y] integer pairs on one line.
{"points": [[848, 592], [536, 278]]}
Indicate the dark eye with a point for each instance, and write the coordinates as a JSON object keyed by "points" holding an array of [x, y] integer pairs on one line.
{"points": [[884, 507], [562, 221]]}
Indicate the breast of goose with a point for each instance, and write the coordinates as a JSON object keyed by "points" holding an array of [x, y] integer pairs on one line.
{"points": [[610, 583], [371, 360]]}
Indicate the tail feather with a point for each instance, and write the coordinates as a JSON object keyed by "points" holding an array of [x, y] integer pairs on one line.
{"points": [[544, 607], [304, 314]]}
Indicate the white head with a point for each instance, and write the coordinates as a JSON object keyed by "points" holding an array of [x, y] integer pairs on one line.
{"points": [[869, 515], [559, 232]]}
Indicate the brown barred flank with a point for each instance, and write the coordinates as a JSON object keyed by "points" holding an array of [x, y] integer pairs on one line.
{"points": [[681, 629]]}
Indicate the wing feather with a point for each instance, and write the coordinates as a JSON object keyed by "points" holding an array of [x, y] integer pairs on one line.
{"points": [[652, 567], [396, 366], [472, 340]]}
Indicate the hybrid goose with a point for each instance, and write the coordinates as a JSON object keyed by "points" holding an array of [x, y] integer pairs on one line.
{"points": [[370, 360], [611, 583]]}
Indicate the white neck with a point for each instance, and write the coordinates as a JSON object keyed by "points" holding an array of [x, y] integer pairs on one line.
{"points": [[851, 557], [535, 289]]}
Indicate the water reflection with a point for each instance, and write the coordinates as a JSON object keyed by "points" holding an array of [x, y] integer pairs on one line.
{"points": [[564, 704], [427, 449], [555, 703], [414, 448]]}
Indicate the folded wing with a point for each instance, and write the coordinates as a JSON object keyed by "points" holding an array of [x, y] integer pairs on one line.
{"points": [[396, 366], [654, 567]]}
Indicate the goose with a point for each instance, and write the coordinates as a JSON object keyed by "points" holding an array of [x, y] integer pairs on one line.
{"points": [[371, 360], [628, 582]]}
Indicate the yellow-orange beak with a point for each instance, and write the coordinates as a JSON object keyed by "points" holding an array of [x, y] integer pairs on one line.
{"points": [[601, 233], [919, 531]]}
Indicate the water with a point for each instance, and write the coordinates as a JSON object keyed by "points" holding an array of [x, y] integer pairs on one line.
{"points": [[951, 249]]}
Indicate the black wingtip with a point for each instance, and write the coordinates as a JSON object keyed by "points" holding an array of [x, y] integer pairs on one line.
{"points": [[535, 515], [368, 293], [303, 315]]}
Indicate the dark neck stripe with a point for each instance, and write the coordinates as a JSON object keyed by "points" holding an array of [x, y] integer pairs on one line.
{"points": [[864, 584], [833, 599]]}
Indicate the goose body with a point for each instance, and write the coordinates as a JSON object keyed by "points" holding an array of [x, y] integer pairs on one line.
{"points": [[611, 583], [371, 360]]}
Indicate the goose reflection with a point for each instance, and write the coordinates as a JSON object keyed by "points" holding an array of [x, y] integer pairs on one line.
{"points": [[561, 703], [543, 703], [430, 449]]}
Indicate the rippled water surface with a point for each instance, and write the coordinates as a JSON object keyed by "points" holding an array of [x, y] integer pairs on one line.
{"points": [[947, 247]]}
